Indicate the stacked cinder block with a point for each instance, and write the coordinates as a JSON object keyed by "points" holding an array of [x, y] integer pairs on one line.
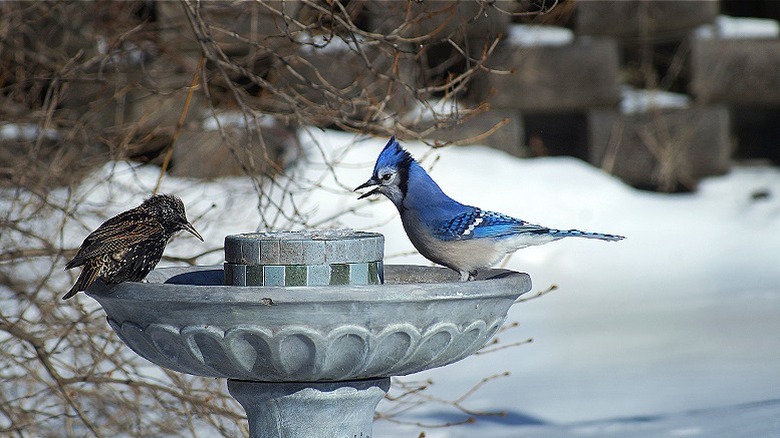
{"points": [[548, 78], [655, 145], [559, 95], [223, 142], [472, 27], [736, 63], [580, 80], [729, 83]]}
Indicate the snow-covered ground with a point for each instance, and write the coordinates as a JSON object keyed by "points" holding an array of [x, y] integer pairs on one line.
{"points": [[673, 332]]}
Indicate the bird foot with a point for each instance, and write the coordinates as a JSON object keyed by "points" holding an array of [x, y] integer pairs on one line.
{"points": [[468, 276]]}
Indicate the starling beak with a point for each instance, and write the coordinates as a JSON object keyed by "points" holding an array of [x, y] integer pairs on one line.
{"points": [[190, 229], [129, 245]]}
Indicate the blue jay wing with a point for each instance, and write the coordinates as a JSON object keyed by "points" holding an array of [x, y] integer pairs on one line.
{"points": [[497, 225], [477, 223]]}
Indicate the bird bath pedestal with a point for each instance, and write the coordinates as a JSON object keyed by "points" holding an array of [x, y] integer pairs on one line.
{"points": [[308, 361]]}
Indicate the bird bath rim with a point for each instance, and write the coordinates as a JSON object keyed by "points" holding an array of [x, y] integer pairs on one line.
{"points": [[309, 333], [209, 288]]}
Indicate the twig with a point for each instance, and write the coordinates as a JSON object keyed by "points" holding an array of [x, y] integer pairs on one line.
{"points": [[539, 294]]}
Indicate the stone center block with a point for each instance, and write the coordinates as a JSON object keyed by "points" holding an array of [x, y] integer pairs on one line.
{"points": [[304, 258]]}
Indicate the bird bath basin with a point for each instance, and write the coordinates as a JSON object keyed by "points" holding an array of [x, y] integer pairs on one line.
{"points": [[308, 361]]}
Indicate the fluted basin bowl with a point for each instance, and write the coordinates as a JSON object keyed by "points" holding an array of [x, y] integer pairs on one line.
{"points": [[186, 320]]}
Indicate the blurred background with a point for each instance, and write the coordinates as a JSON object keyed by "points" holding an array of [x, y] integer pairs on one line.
{"points": [[103, 103], [659, 93]]}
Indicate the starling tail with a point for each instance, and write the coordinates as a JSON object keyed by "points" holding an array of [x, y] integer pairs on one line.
{"points": [[129, 245], [88, 276]]}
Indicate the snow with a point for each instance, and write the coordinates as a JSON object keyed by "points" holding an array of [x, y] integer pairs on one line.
{"points": [[671, 332], [739, 28], [434, 109], [330, 44], [234, 119], [525, 35], [638, 101], [26, 132]]}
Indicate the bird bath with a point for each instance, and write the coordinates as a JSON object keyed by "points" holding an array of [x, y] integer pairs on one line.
{"points": [[308, 361]]}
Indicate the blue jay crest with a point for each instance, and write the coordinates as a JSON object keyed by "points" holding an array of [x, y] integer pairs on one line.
{"points": [[393, 155], [391, 173]]}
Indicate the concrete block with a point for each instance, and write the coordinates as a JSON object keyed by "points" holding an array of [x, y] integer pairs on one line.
{"points": [[469, 24], [632, 19], [504, 125], [203, 153], [338, 79], [736, 71], [229, 22], [554, 78], [667, 150]]}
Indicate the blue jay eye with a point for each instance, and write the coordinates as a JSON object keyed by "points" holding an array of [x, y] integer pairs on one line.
{"points": [[386, 177]]}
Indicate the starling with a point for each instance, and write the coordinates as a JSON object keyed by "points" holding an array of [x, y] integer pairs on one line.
{"points": [[129, 245]]}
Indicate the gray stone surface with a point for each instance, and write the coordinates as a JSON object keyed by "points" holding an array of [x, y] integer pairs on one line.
{"points": [[580, 75], [184, 319], [736, 71], [294, 357], [309, 410]]}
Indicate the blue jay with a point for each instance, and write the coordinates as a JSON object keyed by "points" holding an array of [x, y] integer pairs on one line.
{"points": [[458, 236]]}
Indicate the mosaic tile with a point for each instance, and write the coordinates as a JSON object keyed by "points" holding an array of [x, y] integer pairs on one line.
{"points": [[358, 273], [336, 252], [317, 257], [373, 274], [290, 252], [228, 273], [237, 274], [232, 250], [314, 252], [250, 252], [273, 275], [339, 274], [354, 249], [254, 275], [295, 275], [269, 252], [318, 275]]}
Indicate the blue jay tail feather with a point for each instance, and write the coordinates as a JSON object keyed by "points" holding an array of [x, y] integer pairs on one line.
{"points": [[586, 235]]}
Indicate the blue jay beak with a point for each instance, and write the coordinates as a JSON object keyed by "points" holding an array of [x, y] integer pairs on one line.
{"points": [[371, 182]]}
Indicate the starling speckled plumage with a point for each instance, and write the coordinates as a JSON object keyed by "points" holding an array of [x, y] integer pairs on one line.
{"points": [[129, 245]]}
